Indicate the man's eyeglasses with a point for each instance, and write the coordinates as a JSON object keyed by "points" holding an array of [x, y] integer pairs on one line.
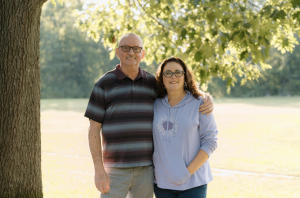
{"points": [[169, 74], [135, 49]]}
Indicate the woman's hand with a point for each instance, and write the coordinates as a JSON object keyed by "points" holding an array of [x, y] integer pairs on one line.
{"points": [[198, 161]]}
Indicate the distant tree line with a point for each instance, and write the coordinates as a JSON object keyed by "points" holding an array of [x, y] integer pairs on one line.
{"points": [[71, 62], [282, 80]]}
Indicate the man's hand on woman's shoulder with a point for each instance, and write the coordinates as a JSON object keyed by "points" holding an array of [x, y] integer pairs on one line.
{"points": [[208, 105]]}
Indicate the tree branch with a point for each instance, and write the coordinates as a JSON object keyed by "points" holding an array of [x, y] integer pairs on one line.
{"points": [[156, 20], [253, 5]]}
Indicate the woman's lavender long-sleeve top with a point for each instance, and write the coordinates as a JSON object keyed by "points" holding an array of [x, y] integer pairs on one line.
{"points": [[179, 133]]}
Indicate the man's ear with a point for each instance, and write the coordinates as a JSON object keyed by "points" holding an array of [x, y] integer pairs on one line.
{"points": [[117, 52]]}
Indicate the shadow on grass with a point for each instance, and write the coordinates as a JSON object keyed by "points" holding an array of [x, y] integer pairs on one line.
{"points": [[77, 105]]}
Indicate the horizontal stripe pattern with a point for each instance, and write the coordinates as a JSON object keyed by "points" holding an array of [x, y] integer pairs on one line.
{"points": [[97, 111], [128, 164], [130, 156], [130, 146], [123, 89], [125, 109], [127, 127]]}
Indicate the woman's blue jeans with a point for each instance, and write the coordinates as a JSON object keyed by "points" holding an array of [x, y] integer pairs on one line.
{"points": [[197, 192]]}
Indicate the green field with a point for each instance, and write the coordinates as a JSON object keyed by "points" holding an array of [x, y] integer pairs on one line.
{"points": [[256, 135]]}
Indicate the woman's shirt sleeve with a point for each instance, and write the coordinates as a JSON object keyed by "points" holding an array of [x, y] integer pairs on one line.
{"points": [[208, 133]]}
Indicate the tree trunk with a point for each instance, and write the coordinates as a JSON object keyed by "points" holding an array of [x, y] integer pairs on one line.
{"points": [[20, 136]]}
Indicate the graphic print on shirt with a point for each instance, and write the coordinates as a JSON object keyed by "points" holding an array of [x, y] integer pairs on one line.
{"points": [[165, 130]]}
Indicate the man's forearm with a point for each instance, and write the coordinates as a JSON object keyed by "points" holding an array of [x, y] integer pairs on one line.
{"points": [[96, 147], [102, 180]]}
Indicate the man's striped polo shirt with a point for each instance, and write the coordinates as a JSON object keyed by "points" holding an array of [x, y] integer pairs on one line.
{"points": [[125, 109]]}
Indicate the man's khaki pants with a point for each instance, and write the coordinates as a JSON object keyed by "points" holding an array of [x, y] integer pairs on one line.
{"points": [[135, 182]]}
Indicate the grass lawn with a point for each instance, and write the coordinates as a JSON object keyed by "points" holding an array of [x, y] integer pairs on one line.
{"points": [[258, 135]]}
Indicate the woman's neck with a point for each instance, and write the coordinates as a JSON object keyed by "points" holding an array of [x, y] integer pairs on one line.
{"points": [[174, 97]]}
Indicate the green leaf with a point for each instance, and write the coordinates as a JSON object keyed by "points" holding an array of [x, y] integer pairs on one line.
{"points": [[247, 25], [236, 24], [214, 32], [183, 33], [242, 8], [295, 3], [229, 82], [192, 33], [242, 35], [234, 34], [190, 48], [278, 14], [198, 56], [266, 10], [211, 16], [206, 8], [243, 54], [296, 16], [202, 75]]}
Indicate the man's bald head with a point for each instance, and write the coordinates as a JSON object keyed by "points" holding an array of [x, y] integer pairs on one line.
{"points": [[129, 35]]}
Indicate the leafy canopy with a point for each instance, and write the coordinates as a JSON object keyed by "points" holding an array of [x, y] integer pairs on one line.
{"points": [[225, 38]]}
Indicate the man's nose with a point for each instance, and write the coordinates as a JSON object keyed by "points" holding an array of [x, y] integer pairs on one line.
{"points": [[131, 51]]}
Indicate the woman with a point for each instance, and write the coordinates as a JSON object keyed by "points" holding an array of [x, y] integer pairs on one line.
{"points": [[183, 138]]}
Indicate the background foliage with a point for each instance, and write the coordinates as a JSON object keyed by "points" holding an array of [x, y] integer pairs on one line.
{"points": [[71, 62], [283, 79], [224, 38]]}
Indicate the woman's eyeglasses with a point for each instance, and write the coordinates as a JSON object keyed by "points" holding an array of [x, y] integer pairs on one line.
{"points": [[169, 74]]}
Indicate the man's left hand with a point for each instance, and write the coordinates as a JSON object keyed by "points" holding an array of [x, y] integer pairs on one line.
{"points": [[208, 106]]}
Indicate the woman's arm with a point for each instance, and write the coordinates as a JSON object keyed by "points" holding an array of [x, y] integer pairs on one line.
{"points": [[198, 161], [208, 141]]}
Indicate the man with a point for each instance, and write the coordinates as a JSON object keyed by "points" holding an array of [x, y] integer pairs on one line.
{"points": [[121, 104]]}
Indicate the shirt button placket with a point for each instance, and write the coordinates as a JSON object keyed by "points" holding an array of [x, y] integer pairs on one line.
{"points": [[133, 86]]}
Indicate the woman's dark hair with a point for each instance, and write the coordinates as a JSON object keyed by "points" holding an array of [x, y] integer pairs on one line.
{"points": [[188, 76]]}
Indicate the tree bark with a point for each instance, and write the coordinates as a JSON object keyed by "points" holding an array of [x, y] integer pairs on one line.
{"points": [[20, 136]]}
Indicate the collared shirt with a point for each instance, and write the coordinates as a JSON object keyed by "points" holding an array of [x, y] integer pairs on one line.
{"points": [[125, 109]]}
